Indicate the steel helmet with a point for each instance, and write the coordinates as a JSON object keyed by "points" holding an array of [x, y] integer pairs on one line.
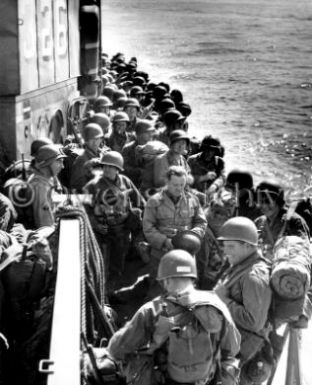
{"points": [[239, 229], [209, 142], [184, 108], [120, 117], [120, 102], [241, 177], [159, 92], [102, 120], [37, 143], [132, 102], [178, 135], [108, 91], [273, 189], [120, 93], [102, 101], [177, 263], [47, 154], [172, 116], [143, 126], [187, 240], [113, 158], [139, 81], [92, 131], [136, 90], [165, 105], [177, 96]]}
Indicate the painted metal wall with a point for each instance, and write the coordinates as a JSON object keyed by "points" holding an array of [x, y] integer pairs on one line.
{"points": [[39, 42]]}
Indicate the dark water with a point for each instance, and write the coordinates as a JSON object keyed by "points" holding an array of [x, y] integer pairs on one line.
{"points": [[245, 68]]}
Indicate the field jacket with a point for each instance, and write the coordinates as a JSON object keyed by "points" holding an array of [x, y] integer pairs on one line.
{"points": [[138, 334], [161, 215]]}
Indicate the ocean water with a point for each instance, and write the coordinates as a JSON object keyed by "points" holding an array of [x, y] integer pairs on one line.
{"points": [[244, 67]]}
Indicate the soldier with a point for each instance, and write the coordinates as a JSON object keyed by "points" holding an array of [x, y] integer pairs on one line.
{"points": [[277, 220], [49, 162], [173, 120], [115, 211], [173, 345], [93, 136], [245, 288], [102, 120], [240, 183], [211, 260], [132, 109], [179, 142], [169, 211], [120, 135], [145, 131], [207, 166], [103, 104], [137, 93]]}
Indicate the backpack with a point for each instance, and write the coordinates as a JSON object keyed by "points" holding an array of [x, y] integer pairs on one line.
{"points": [[290, 279], [191, 346]]}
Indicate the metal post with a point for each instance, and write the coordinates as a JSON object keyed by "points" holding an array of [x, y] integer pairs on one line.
{"points": [[293, 374]]}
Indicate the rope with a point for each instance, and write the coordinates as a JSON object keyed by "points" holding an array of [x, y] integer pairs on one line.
{"points": [[92, 264]]}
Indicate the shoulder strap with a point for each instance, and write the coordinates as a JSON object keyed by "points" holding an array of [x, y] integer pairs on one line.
{"points": [[214, 239]]}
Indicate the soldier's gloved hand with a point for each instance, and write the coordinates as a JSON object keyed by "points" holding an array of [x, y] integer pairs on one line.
{"points": [[167, 245], [101, 229]]}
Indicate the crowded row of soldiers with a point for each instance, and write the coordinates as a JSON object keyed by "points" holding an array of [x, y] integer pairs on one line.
{"points": [[153, 189]]}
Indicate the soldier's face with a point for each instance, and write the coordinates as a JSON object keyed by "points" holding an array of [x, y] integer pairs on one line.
{"points": [[236, 251], [110, 172], [180, 147], [105, 109], [176, 185], [268, 207], [95, 144], [57, 166], [131, 112], [120, 127], [147, 136]]}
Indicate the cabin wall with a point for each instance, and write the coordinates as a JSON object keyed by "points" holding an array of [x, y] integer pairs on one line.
{"points": [[39, 43]]}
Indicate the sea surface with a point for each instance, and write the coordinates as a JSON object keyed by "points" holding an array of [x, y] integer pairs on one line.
{"points": [[244, 67]]}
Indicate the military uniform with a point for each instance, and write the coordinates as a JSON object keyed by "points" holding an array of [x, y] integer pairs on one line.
{"points": [[8, 213], [248, 300], [161, 166], [42, 206], [118, 206], [210, 261], [140, 335], [271, 231], [131, 166], [117, 142], [79, 175], [200, 167], [161, 216]]}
